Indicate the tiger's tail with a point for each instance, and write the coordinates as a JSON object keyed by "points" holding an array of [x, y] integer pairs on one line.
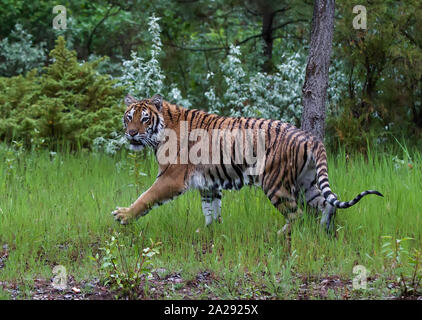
{"points": [[320, 158]]}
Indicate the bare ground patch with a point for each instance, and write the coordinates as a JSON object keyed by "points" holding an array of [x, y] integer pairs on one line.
{"points": [[173, 286]]}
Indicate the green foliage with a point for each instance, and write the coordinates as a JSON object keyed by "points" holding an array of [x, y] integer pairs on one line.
{"points": [[12, 161], [279, 278], [406, 266], [383, 68], [144, 78], [375, 81], [18, 54], [116, 269], [260, 94], [49, 216], [70, 102], [353, 133], [4, 294]]}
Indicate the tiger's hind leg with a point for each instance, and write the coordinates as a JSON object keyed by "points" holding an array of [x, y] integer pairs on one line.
{"points": [[307, 185], [211, 205], [286, 203], [315, 199], [288, 207], [291, 212]]}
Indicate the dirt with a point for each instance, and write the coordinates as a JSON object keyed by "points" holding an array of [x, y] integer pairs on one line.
{"points": [[4, 254], [172, 286], [43, 289]]}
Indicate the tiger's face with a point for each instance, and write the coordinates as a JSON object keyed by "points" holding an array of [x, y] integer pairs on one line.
{"points": [[143, 122]]}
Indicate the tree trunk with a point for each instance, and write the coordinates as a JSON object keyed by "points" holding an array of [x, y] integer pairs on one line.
{"points": [[267, 35], [316, 79]]}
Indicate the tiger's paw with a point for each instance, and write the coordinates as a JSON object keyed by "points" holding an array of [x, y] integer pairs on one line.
{"points": [[285, 230], [123, 215], [208, 220]]}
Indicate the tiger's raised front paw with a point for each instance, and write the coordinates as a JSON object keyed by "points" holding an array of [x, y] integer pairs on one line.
{"points": [[123, 215], [285, 230]]}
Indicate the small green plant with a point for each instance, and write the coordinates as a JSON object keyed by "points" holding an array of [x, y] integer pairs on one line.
{"points": [[279, 279], [38, 142], [4, 294], [135, 170], [415, 261], [10, 164], [116, 269], [12, 159], [406, 266]]}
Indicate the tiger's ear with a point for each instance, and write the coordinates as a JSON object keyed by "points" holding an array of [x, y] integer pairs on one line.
{"points": [[157, 100], [129, 100]]}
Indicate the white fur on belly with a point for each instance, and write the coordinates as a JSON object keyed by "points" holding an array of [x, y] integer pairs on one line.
{"points": [[198, 181]]}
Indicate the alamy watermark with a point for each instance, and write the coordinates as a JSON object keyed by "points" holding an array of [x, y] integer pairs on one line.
{"points": [[361, 279], [59, 21], [60, 278], [202, 147], [359, 22]]}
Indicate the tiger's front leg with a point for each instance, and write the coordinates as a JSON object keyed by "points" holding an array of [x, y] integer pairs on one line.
{"points": [[163, 189], [211, 205]]}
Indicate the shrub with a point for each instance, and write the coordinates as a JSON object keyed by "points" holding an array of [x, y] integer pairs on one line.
{"points": [[144, 77], [18, 54], [119, 272], [276, 96], [259, 94], [70, 102]]}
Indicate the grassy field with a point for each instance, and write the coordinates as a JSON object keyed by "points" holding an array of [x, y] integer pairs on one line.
{"points": [[55, 210]]}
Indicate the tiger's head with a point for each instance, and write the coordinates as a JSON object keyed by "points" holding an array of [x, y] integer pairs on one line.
{"points": [[143, 121]]}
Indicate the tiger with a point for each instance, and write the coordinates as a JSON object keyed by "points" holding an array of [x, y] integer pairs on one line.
{"points": [[293, 170]]}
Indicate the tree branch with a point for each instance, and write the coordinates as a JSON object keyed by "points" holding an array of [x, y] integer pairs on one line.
{"points": [[107, 15], [193, 49], [287, 23], [281, 10], [238, 43]]}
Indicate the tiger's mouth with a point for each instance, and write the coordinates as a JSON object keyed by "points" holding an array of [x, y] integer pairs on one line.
{"points": [[136, 143]]}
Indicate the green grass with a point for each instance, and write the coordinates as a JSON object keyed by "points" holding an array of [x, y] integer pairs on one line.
{"points": [[55, 210]]}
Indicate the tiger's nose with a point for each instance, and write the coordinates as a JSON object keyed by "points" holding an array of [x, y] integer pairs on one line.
{"points": [[133, 132]]}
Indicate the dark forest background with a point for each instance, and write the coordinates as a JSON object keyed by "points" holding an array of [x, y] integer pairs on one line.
{"points": [[231, 57]]}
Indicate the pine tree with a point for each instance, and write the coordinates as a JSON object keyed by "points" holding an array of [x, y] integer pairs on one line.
{"points": [[71, 103]]}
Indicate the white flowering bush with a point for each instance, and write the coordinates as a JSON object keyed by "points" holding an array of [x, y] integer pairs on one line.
{"points": [[260, 94], [175, 96], [236, 95], [144, 78], [111, 145], [257, 94], [337, 86], [18, 54], [276, 96]]}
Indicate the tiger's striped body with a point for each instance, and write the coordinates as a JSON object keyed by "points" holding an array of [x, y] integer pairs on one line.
{"points": [[295, 162]]}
